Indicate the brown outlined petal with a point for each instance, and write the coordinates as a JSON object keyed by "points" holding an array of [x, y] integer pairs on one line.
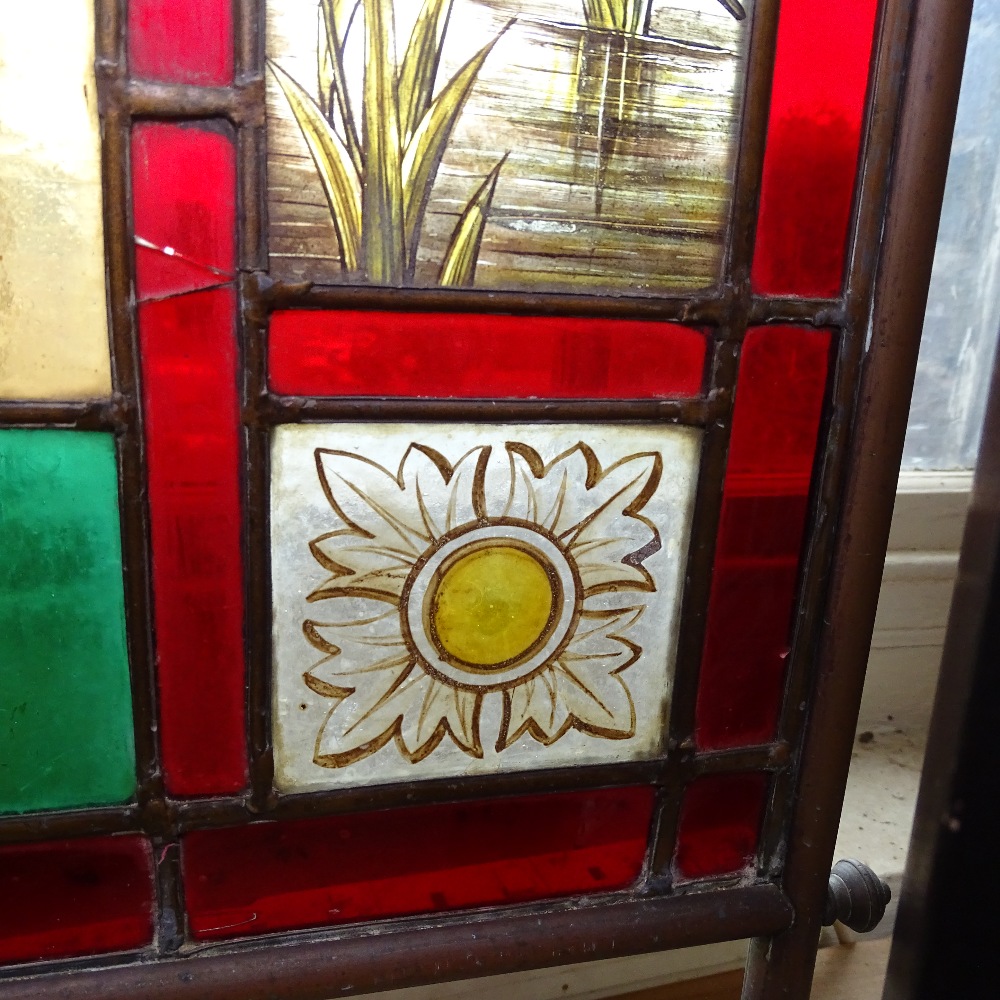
{"points": [[434, 709], [371, 501], [593, 511], [599, 703], [534, 706], [446, 496], [361, 565], [417, 713]]}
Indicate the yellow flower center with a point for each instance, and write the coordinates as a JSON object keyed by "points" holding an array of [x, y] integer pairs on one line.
{"points": [[492, 604]]}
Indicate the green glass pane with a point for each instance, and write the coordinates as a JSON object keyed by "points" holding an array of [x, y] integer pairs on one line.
{"points": [[65, 704]]}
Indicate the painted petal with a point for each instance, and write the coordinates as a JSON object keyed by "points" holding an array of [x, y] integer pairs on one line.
{"points": [[595, 512], [364, 653], [601, 638], [446, 496], [360, 688], [371, 500], [434, 709], [418, 712], [599, 702], [534, 707], [604, 530], [353, 731], [362, 565]]}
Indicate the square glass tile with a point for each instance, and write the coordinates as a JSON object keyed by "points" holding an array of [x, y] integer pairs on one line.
{"points": [[465, 599]]}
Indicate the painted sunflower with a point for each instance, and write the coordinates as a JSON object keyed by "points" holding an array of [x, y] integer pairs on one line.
{"points": [[442, 592]]}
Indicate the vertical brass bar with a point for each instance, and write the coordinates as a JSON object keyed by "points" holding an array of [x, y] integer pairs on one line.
{"points": [[783, 966]]}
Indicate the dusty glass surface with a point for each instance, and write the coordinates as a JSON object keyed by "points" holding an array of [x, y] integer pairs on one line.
{"points": [[53, 325], [523, 144], [963, 306], [461, 599]]}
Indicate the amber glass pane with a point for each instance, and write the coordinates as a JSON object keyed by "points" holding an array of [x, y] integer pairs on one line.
{"points": [[475, 355], [184, 201], [75, 897], [817, 109], [275, 876], [779, 399], [719, 825], [65, 702], [181, 41], [53, 325]]}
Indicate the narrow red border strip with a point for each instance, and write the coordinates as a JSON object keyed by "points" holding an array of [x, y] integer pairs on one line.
{"points": [[813, 137], [366, 866], [470, 355], [181, 41], [184, 183], [75, 897], [779, 402]]}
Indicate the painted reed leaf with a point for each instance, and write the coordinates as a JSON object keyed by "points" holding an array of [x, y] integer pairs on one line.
{"points": [[336, 18], [629, 16], [429, 141], [383, 246], [420, 64], [340, 179], [459, 265]]}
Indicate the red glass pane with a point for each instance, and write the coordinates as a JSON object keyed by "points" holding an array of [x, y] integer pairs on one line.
{"points": [[779, 401], [75, 897], [813, 138], [719, 825], [274, 876], [475, 355], [184, 188], [181, 41], [184, 194]]}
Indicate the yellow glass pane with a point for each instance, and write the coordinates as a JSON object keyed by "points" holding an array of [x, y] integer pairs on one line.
{"points": [[53, 323]]}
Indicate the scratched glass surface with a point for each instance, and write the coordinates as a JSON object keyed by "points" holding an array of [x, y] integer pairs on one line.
{"points": [[53, 326], [455, 599], [521, 144]]}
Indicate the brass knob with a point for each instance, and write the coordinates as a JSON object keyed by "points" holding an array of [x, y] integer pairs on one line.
{"points": [[855, 896]]}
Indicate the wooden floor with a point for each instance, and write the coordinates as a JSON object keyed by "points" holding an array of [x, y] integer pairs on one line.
{"points": [[852, 972]]}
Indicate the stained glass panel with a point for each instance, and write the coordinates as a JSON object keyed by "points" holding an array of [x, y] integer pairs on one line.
{"points": [[276, 876], [181, 41], [344, 353], [779, 401], [184, 190], [529, 144], [65, 701], [75, 897], [51, 231], [719, 825], [812, 145], [462, 599]]}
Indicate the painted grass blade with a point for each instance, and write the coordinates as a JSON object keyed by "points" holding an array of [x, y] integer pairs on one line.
{"points": [[428, 144], [383, 246], [340, 179], [324, 66], [420, 64], [459, 265], [336, 16], [604, 14]]}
